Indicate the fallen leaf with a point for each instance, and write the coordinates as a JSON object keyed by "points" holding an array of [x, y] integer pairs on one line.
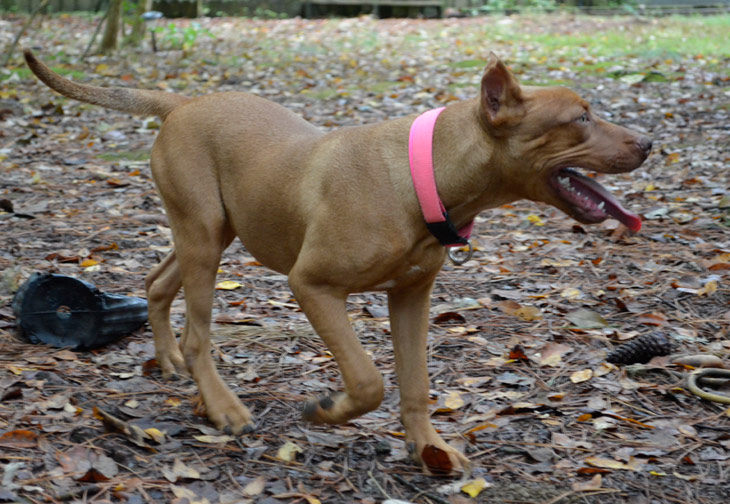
{"points": [[447, 317], [518, 353], [552, 354], [180, 471], [228, 285], [210, 439], [187, 494], [157, 435], [571, 293], [454, 400], [474, 487], [288, 451], [586, 319], [528, 313], [19, 439], [508, 306], [255, 487], [709, 289], [588, 486], [606, 463], [436, 459], [581, 376], [85, 464], [652, 319]]}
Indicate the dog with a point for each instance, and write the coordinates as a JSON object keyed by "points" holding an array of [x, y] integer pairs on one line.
{"points": [[340, 212]]}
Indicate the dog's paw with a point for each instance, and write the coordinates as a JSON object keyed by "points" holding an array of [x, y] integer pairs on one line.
{"points": [[438, 458], [225, 410], [323, 410], [233, 419], [172, 365]]}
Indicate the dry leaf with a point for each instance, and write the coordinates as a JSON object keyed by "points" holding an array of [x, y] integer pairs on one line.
{"points": [[571, 293], [709, 289], [586, 319], [453, 400], [652, 319], [187, 494], [180, 471], [606, 463], [552, 354], [228, 285], [474, 487], [508, 306], [528, 313], [602, 423], [581, 376], [288, 451], [19, 439], [157, 435], [255, 487], [588, 486], [449, 317], [436, 459], [603, 369], [223, 438]]}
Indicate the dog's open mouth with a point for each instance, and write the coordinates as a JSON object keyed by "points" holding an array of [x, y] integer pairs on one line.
{"points": [[589, 200]]}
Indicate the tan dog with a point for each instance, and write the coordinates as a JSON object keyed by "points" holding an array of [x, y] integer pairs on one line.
{"points": [[338, 214]]}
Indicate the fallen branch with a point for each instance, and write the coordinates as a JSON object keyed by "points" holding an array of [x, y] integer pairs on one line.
{"points": [[11, 49]]}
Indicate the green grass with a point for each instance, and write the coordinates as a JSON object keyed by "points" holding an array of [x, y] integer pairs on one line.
{"points": [[135, 155], [24, 73], [473, 63], [654, 46], [668, 38]]}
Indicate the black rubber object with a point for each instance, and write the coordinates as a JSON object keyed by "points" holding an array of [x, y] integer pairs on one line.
{"points": [[66, 312]]}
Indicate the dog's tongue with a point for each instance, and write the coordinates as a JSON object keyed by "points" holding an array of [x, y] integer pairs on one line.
{"points": [[599, 195]]}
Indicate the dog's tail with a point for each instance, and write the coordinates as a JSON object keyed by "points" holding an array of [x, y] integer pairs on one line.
{"points": [[134, 101]]}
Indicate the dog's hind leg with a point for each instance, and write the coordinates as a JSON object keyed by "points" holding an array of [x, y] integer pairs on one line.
{"points": [[162, 284], [199, 245], [201, 232]]}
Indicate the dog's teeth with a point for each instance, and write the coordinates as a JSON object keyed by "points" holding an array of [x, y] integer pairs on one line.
{"points": [[602, 205]]}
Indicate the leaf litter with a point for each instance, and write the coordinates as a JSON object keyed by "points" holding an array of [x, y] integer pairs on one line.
{"points": [[520, 333]]}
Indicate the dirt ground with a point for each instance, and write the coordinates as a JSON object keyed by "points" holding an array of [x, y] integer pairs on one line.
{"points": [[519, 335]]}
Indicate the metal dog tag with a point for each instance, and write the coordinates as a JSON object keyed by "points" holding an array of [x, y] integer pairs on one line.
{"points": [[458, 255]]}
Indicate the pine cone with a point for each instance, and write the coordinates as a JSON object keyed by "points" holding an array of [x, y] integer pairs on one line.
{"points": [[641, 350]]}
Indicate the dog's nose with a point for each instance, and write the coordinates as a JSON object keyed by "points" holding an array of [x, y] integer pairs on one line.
{"points": [[645, 144]]}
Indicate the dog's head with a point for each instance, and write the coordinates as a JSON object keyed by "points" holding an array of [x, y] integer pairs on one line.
{"points": [[546, 134]]}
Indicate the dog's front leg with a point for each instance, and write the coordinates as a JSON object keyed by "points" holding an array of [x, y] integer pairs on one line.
{"points": [[409, 327], [325, 308]]}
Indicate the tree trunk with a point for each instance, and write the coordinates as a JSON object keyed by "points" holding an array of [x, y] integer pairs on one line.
{"points": [[109, 40]]}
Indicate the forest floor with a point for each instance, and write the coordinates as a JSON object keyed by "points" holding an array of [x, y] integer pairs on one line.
{"points": [[519, 334]]}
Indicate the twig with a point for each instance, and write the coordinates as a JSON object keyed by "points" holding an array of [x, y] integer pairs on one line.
{"points": [[377, 484], [559, 497], [12, 47], [400, 479], [93, 37]]}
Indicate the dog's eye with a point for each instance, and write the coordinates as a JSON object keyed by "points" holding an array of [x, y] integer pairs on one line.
{"points": [[584, 118]]}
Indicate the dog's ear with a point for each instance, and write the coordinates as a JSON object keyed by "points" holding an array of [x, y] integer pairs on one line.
{"points": [[501, 98]]}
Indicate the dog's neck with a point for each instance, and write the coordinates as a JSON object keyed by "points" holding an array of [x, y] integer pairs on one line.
{"points": [[466, 173]]}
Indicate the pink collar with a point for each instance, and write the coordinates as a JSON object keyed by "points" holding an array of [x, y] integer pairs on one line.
{"points": [[420, 155]]}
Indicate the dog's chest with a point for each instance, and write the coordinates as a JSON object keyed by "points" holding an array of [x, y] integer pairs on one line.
{"points": [[411, 274]]}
